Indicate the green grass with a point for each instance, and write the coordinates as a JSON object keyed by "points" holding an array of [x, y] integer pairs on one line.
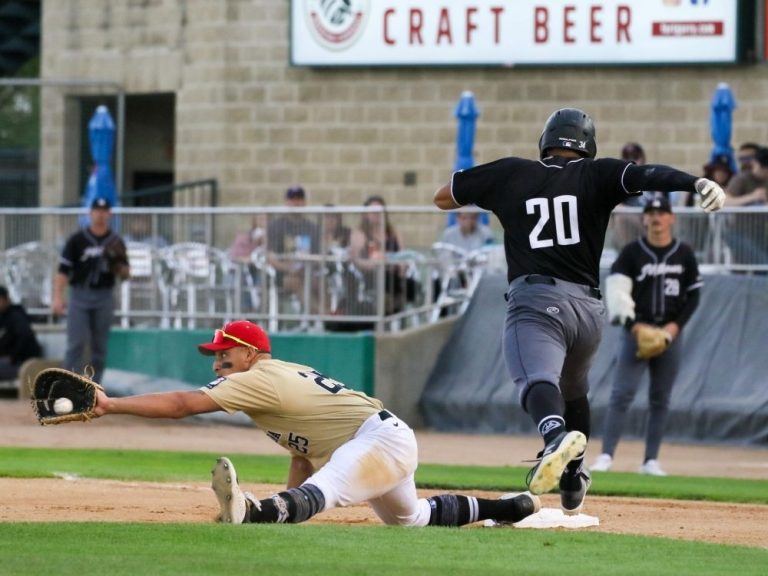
{"points": [[130, 549], [191, 466]]}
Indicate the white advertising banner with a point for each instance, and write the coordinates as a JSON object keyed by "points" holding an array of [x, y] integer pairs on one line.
{"points": [[511, 32]]}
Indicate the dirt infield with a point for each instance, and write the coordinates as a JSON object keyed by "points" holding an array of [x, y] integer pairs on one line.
{"points": [[111, 501]]}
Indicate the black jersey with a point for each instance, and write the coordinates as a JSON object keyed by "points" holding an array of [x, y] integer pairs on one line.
{"points": [[555, 211], [663, 280], [83, 260]]}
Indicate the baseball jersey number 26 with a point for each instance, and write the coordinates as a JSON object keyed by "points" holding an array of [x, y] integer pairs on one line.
{"points": [[563, 207]]}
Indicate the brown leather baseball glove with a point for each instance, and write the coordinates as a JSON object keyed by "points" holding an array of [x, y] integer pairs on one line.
{"points": [[651, 340], [117, 258], [55, 383]]}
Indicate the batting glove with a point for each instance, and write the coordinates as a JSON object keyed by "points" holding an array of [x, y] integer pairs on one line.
{"points": [[712, 196]]}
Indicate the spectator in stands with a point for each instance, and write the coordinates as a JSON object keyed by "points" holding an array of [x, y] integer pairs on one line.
{"points": [[369, 244], [467, 234], [746, 181], [745, 233], [92, 260], [241, 252], [289, 237], [336, 236], [749, 188], [245, 243], [17, 338]]}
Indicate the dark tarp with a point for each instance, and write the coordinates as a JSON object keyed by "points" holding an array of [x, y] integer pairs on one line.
{"points": [[720, 395]]}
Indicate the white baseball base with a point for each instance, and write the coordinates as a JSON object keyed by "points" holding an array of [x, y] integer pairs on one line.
{"points": [[551, 518]]}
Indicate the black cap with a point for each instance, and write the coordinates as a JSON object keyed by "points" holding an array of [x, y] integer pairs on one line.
{"points": [[295, 193], [100, 204], [659, 203]]}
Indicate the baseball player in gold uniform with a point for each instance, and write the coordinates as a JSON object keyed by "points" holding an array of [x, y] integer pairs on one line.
{"points": [[346, 448]]}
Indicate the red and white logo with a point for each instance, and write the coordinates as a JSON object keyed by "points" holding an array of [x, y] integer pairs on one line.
{"points": [[337, 24]]}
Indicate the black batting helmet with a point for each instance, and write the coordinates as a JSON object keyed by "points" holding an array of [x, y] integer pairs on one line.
{"points": [[569, 128]]}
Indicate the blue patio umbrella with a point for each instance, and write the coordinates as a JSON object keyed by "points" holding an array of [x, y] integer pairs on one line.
{"points": [[721, 123], [466, 113], [101, 136]]}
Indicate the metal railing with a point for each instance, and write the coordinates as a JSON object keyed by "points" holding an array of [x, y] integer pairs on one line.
{"points": [[200, 267]]}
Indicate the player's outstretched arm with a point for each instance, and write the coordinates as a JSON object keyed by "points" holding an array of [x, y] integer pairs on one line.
{"points": [[162, 405]]}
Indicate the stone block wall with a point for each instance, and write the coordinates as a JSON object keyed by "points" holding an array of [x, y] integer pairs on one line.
{"points": [[249, 119]]}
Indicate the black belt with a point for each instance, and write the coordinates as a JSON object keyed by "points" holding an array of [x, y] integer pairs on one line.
{"points": [[384, 415], [540, 279]]}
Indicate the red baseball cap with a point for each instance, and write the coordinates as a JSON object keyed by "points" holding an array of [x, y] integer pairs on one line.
{"points": [[238, 333]]}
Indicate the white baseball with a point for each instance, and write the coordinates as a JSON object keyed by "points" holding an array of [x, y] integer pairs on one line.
{"points": [[63, 406]]}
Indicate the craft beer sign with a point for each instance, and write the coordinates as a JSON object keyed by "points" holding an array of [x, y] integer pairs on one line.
{"points": [[512, 32]]}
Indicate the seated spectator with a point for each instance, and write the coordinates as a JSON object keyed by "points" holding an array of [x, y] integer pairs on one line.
{"points": [[245, 243], [17, 338], [369, 244], [745, 233], [467, 234], [746, 181], [749, 188], [336, 236], [289, 237]]}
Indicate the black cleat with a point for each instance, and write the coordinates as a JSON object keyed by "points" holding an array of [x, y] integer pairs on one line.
{"points": [[555, 457], [573, 488]]}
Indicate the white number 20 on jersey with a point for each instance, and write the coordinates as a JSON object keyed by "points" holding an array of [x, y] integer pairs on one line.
{"points": [[563, 207]]}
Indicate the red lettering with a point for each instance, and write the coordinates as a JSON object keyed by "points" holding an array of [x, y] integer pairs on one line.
{"points": [[568, 23], [496, 11], [595, 24], [444, 27], [470, 24], [623, 20], [540, 25], [387, 13], [416, 22]]}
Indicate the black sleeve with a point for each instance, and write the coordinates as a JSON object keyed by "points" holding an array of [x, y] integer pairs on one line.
{"points": [[68, 256], [658, 178], [691, 303], [472, 186], [692, 287]]}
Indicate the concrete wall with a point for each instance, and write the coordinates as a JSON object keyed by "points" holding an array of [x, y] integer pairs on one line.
{"points": [[247, 118], [403, 364]]}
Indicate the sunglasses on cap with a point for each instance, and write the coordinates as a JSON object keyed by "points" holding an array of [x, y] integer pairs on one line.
{"points": [[219, 336]]}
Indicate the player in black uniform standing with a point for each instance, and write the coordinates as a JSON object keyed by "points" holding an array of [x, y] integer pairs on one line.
{"points": [[655, 281], [555, 212]]}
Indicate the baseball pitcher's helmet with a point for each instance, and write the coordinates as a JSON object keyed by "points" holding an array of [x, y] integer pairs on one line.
{"points": [[569, 128]]}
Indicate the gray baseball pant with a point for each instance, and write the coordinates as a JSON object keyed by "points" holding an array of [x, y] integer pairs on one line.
{"points": [[89, 320], [629, 373], [551, 334]]}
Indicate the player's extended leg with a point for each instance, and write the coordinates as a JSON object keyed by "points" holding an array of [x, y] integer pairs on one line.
{"points": [[535, 350], [401, 506], [238, 507]]}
